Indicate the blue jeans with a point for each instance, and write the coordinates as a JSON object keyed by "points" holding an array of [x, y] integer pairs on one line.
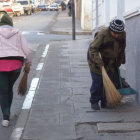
{"points": [[69, 11], [97, 90]]}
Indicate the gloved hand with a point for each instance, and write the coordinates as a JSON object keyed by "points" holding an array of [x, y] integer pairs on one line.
{"points": [[27, 67], [99, 61]]}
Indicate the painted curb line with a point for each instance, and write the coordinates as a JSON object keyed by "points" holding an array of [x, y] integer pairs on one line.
{"points": [[25, 111]]}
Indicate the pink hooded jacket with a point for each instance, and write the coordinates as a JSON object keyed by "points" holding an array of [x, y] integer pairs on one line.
{"points": [[12, 43]]}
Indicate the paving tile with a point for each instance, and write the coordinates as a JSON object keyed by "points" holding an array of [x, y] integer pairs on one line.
{"points": [[118, 127], [50, 132], [97, 116]]}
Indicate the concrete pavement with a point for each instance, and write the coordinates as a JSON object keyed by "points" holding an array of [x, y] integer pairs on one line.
{"points": [[61, 110], [63, 26]]}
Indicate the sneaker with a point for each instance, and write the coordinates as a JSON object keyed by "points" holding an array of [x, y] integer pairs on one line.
{"points": [[95, 106], [5, 123]]}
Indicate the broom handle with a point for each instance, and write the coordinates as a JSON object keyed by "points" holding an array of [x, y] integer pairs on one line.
{"points": [[100, 55], [119, 76], [101, 58]]}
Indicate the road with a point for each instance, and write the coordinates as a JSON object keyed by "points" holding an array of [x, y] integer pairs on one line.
{"points": [[36, 29]]}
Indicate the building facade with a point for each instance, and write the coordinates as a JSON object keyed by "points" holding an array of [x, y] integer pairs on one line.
{"points": [[129, 11], [97, 14], [84, 13]]}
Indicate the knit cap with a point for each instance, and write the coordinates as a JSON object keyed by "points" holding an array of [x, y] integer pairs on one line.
{"points": [[117, 26], [6, 20]]}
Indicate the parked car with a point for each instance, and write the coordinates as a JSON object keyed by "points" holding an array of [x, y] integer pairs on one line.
{"points": [[42, 7], [26, 6], [47, 7], [17, 9], [53, 7], [7, 8]]}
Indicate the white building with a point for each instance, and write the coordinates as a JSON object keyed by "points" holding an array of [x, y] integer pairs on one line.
{"points": [[95, 14], [105, 9], [110, 9], [84, 13]]}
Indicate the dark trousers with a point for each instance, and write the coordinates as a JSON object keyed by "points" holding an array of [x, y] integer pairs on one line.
{"points": [[7, 80], [97, 91], [69, 11]]}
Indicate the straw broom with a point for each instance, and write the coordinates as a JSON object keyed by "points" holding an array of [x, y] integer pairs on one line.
{"points": [[112, 95], [22, 88]]}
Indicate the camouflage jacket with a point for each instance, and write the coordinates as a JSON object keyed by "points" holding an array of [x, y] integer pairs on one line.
{"points": [[112, 51]]}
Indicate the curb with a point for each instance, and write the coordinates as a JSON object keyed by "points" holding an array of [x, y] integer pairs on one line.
{"points": [[26, 108], [70, 33]]}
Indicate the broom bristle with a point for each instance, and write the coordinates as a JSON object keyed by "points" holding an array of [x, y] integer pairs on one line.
{"points": [[22, 88], [112, 95]]}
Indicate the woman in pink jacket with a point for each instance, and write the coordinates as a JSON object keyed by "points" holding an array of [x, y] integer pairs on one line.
{"points": [[13, 52]]}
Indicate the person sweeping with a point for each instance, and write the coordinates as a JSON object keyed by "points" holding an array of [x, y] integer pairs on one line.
{"points": [[14, 52], [110, 43]]}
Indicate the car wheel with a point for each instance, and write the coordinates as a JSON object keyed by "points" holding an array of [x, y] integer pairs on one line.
{"points": [[18, 14], [29, 12]]}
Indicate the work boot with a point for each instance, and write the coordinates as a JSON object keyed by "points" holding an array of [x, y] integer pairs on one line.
{"points": [[103, 105], [95, 106]]}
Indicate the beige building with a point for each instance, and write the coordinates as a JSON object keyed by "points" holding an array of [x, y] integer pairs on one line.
{"points": [[84, 13]]}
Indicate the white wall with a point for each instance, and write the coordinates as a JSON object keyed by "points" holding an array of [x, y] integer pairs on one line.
{"points": [[86, 17], [118, 8], [128, 5], [113, 8], [110, 9], [132, 28], [131, 4], [101, 13], [93, 14]]}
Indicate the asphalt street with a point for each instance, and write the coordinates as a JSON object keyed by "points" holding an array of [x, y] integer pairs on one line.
{"points": [[36, 29]]}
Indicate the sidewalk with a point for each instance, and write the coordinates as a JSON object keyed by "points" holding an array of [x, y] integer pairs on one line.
{"points": [[63, 26], [61, 108]]}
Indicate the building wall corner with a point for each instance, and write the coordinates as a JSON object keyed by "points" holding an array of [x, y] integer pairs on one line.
{"points": [[86, 15]]}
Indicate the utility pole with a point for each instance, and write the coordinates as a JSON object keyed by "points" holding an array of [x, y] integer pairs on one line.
{"points": [[73, 19]]}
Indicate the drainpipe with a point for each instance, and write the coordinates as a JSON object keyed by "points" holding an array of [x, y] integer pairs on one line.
{"points": [[107, 12], [96, 28], [92, 15]]}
